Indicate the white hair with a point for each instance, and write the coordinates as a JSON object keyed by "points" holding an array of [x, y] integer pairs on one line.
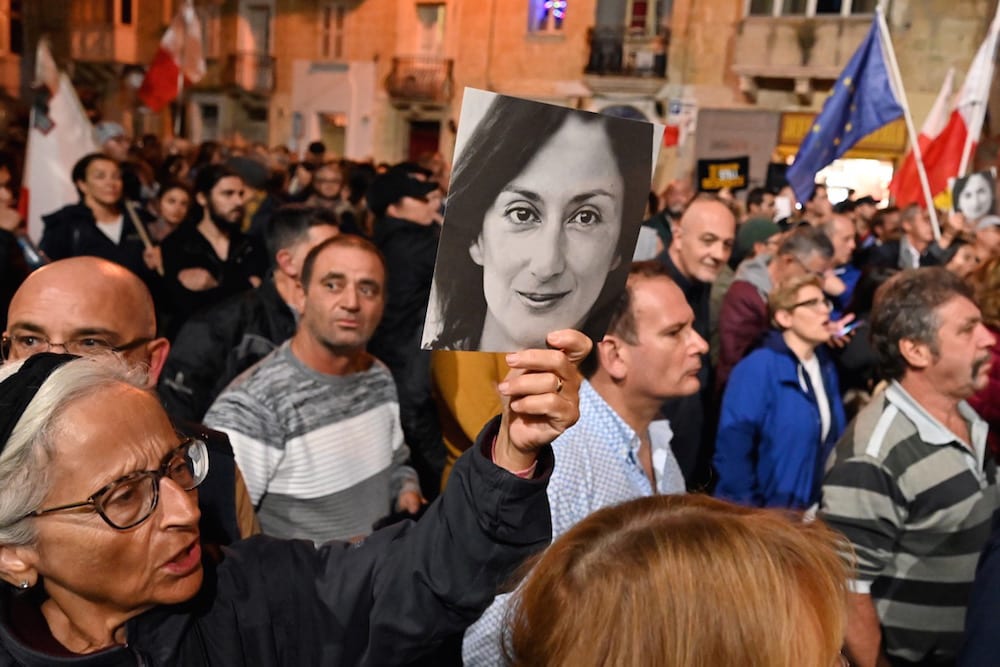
{"points": [[25, 457]]}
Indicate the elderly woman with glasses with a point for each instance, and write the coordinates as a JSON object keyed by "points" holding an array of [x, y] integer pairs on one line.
{"points": [[100, 548], [781, 411]]}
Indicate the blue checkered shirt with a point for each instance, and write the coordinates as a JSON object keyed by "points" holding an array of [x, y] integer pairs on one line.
{"points": [[597, 465]]}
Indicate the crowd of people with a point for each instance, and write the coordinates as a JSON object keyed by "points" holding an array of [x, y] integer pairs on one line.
{"points": [[248, 324]]}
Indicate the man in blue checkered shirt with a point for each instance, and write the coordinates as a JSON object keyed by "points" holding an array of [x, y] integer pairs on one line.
{"points": [[620, 447]]}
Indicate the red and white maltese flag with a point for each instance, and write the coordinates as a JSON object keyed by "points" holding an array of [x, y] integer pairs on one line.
{"points": [[59, 135], [180, 55]]}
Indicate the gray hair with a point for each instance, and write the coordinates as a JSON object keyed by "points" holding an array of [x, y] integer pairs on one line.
{"points": [[804, 241], [24, 481], [906, 309]]}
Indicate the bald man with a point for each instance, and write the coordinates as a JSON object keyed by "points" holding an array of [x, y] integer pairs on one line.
{"points": [[90, 306], [701, 246]]}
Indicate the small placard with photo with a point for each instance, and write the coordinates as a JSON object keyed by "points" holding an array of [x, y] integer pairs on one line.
{"points": [[540, 225], [974, 196]]}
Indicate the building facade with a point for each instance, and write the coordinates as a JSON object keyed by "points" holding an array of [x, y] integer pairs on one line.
{"points": [[383, 79], [755, 72]]}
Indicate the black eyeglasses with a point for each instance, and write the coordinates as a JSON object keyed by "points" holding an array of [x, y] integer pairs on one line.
{"points": [[23, 345], [814, 303], [130, 500]]}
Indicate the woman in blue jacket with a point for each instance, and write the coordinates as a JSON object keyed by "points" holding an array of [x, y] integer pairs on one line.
{"points": [[781, 411]]}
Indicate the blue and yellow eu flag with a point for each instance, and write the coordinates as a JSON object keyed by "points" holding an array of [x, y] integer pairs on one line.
{"points": [[862, 101]]}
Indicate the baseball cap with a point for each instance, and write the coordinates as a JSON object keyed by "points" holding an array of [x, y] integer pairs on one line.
{"points": [[754, 230], [392, 186]]}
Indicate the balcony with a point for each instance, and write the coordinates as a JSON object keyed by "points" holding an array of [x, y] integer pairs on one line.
{"points": [[250, 71], [425, 79], [795, 51], [623, 60], [93, 43]]}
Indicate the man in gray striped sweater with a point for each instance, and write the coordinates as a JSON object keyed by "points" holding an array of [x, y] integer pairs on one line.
{"points": [[910, 483], [315, 424]]}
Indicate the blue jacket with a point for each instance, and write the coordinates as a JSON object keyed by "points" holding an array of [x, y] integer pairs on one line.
{"points": [[768, 452]]}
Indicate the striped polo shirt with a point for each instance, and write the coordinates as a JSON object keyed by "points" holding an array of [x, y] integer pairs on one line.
{"points": [[916, 504]]}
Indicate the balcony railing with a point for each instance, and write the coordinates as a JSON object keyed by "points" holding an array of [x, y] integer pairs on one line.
{"points": [[93, 43], [420, 79], [617, 51], [251, 71]]}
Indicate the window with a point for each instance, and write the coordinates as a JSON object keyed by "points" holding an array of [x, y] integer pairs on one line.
{"points": [[547, 16], [92, 12], [430, 17], [126, 15], [332, 31], [258, 33], [810, 7], [209, 121], [640, 10], [210, 27], [16, 43], [11, 35]]}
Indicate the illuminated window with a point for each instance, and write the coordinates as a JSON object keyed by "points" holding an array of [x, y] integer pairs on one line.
{"points": [[547, 15]]}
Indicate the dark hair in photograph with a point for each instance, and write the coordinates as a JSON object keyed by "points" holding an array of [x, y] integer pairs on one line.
{"points": [[505, 140], [962, 183]]}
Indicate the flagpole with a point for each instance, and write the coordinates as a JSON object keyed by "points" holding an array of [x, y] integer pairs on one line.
{"points": [[979, 115], [180, 104], [918, 155]]}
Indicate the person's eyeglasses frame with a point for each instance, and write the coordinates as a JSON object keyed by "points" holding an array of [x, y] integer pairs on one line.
{"points": [[8, 342], [95, 500], [813, 303]]}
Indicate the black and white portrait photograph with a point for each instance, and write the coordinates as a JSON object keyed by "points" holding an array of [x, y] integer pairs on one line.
{"points": [[975, 195], [540, 223]]}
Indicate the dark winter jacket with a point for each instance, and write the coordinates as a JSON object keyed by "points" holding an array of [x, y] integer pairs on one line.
{"points": [[72, 232], [383, 602], [186, 248], [409, 250], [216, 345], [769, 451]]}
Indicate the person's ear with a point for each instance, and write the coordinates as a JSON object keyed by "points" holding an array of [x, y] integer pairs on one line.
{"points": [[200, 198], [158, 350], [614, 357], [17, 565], [675, 232], [298, 297], [283, 260], [476, 250], [783, 319], [917, 355]]}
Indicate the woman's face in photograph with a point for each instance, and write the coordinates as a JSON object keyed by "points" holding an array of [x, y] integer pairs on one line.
{"points": [[550, 238], [976, 197]]}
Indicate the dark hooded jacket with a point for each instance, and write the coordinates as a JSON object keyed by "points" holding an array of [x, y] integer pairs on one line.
{"points": [[386, 601]]}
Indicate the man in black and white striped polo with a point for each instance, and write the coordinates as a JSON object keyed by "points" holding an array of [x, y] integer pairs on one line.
{"points": [[911, 484]]}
